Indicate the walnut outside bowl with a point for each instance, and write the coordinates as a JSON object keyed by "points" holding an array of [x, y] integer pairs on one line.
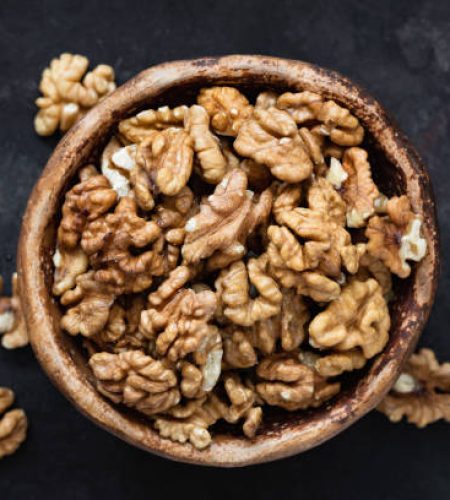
{"points": [[397, 169]]}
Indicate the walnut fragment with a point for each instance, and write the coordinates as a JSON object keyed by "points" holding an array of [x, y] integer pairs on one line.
{"points": [[13, 424], [396, 238], [227, 107], [359, 317], [270, 137], [226, 217], [67, 95], [136, 380], [421, 393], [12, 323]]}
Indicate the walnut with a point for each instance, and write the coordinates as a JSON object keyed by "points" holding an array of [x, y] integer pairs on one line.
{"points": [[234, 292], [172, 214], [335, 364], [310, 283], [241, 345], [228, 216], [69, 264], [227, 107], [187, 330], [135, 380], [358, 189], [290, 384], [213, 164], [143, 126], [117, 163], [168, 159], [12, 323], [330, 245], [396, 238], [266, 100], [421, 393], [121, 330], [66, 98], [13, 424], [270, 137], [323, 198], [90, 302], [85, 202], [336, 122], [110, 242], [336, 174], [286, 198], [191, 380], [194, 426], [370, 266], [359, 317], [179, 322], [238, 349], [294, 316], [313, 144]]}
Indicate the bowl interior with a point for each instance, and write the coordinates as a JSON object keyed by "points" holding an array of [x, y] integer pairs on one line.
{"points": [[361, 390]]}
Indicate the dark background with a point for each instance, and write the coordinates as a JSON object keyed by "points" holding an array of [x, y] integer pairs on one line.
{"points": [[399, 51]]}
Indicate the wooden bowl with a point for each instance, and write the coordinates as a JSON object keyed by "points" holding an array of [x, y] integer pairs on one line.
{"points": [[397, 169]]}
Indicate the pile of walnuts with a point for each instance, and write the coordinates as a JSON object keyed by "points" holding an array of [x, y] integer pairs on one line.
{"points": [[226, 256]]}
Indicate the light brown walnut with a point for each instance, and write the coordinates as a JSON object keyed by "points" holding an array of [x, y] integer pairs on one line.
{"points": [[312, 284], [85, 202], [266, 100], [421, 393], [66, 95], [332, 365], [270, 137], [213, 163], [69, 264], [358, 190], [194, 427], [370, 266], [337, 123], [89, 304], [136, 380], [291, 385], [12, 322], [328, 245], [168, 158], [144, 125], [13, 424], [188, 330], [112, 241], [396, 238], [172, 213], [234, 292], [322, 197], [239, 351], [226, 217], [286, 198], [121, 330], [294, 317], [227, 107], [359, 317]]}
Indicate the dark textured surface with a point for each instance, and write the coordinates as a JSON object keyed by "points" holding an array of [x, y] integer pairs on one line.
{"points": [[399, 51]]}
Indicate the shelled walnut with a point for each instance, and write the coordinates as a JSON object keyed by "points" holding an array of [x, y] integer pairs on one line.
{"points": [[68, 92], [219, 264], [421, 393], [12, 323], [13, 424]]}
